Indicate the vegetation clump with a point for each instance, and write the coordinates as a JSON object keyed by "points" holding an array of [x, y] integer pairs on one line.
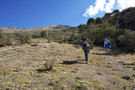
{"points": [[23, 37], [126, 77], [5, 39], [48, 66]]}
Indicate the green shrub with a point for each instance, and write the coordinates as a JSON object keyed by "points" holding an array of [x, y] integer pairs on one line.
{"points": [[71, 38], [43, 33], [23, 37], [48, 65], [103, 31], [75, 38], [65, 39], [36, 35], [5, 39], [128, 40]]}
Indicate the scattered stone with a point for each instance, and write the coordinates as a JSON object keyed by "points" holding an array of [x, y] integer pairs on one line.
{"points": [[34, 45], [126, 77], [124, 87], [52, 84], [133, 75]]}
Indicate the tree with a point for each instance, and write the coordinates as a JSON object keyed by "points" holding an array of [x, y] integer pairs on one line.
{"points": [[90, 21], [106, 16], [99, 20], [82, 28], [116, 11]]}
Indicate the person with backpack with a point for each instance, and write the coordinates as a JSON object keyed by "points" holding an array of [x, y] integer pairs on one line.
{"points": [[86, 49], [107, 45]]}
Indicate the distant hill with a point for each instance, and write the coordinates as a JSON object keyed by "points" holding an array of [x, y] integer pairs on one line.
{"points": [[50, 28]]}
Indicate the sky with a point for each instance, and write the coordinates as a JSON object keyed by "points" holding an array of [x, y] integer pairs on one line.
{"points": [[39, 13]]}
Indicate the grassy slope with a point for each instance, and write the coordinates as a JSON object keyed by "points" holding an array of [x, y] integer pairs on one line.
{"points": [[31, 30], [20, 67]]}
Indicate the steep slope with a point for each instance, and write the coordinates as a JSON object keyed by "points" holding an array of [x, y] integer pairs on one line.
{"points": [[22, 67]]}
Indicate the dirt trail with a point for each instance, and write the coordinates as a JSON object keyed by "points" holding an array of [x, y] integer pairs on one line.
{"points": [[22, 67]]}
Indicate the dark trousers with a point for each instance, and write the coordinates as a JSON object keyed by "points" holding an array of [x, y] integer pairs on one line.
{"points": [[86, 52]]}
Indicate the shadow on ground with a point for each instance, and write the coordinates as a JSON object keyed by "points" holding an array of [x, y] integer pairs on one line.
{"points": [[43, 70], [102, 54], [73, 62]]}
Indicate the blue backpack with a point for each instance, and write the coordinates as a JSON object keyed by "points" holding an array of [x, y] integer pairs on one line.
{"points": [[85, 46]]}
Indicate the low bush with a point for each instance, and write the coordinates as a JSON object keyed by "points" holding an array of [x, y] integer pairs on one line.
{"points": [[43, 34], [23, 37], [128, 40], [5, 39], [48, 65], [36, 35]]}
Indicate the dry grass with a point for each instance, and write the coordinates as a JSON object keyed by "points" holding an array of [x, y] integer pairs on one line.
{"points": [[20, 65]]}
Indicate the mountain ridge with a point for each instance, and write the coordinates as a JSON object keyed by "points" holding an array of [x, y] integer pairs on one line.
{"points": [[49, 28]]}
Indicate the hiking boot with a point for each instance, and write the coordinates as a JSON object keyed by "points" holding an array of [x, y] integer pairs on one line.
{"points": [[86, 62]]}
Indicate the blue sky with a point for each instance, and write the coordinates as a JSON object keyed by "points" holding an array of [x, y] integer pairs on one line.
{"points": [[39, 13]]}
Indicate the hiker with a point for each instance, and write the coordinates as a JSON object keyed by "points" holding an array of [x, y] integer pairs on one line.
{"points": [[83, 38], [107, 45], [86, 49], [47, 34]]}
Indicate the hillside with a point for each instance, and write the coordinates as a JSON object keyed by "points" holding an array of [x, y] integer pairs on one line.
{"points": [[22, 67], [49, 28], [118, 27], [125, 19]]}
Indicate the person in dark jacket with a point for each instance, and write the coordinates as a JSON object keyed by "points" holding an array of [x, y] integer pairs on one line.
{"points": [[86, 49]]}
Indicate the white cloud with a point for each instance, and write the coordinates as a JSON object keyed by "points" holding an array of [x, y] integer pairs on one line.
{"points": [[93, 10], [109, 6], [104, 6], [123, 4]]}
